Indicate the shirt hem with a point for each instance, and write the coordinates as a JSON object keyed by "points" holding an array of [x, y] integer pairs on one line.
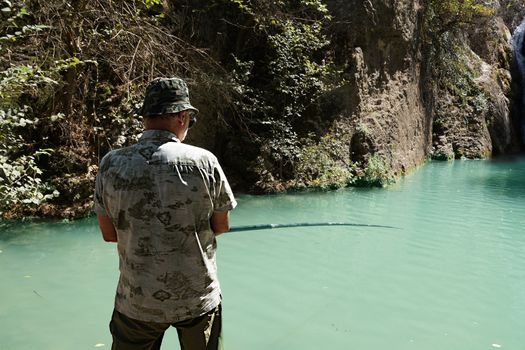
{"points": [[173, 319]]}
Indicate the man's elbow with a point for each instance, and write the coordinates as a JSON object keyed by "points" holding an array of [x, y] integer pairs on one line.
{"points": [[112, 239], [220, 222], [219, 229], [109, 233]]}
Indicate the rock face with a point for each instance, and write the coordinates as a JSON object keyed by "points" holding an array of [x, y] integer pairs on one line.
{"points": [[380, 43], [292, 94], [477, 123], [398, 107], [402, 100], [490, 122]]}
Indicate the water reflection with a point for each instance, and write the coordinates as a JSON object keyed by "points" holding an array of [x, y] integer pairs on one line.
{"points": [[506, 177], [453, 276]]}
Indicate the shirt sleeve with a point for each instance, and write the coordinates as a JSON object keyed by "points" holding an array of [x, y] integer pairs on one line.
{"points": [[224, 199], [98, 205]]}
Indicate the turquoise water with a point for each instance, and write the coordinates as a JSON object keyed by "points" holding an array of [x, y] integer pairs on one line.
{"points": [[452, 276]]}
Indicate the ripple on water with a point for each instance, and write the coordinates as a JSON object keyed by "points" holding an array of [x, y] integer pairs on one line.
{"points": [[452, 276]]}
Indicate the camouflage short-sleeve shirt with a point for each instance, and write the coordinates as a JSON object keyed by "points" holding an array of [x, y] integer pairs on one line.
{"points": [[160, 195]]}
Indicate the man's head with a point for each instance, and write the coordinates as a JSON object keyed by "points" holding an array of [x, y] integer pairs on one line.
{"points": [[167, 106], [166, 96]]}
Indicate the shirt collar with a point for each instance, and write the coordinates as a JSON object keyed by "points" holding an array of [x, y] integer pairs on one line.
{"points": [[158, 135]]}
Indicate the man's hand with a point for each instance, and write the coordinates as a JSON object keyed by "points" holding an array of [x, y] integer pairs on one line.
{"points": [[106, 227], [220, 222]]}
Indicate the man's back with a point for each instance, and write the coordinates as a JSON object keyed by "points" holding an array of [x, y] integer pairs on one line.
{"points": [[161, 195]]}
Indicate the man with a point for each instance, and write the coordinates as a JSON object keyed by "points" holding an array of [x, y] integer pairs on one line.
{"points": [[164, 202]]}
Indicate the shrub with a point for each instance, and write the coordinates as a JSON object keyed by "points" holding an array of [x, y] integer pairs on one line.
{"points": [[21, 184], [280, 80], [376, 173], [324, 164]]}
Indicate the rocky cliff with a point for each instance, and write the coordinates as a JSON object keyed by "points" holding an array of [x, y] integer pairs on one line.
{"points": [[387, 104], [406, 101], [416, 84], [293, 94], [472, 115]]}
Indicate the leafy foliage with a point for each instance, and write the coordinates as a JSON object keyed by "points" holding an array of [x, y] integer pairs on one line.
{"points": [[150, 3], [455, 76], [325, 164], [448, 15], [67, 97], [376, 173], [21, 182], [72, 74], [276, 89], [452, 77], [20, 176], [442, 20], [15, 20]]}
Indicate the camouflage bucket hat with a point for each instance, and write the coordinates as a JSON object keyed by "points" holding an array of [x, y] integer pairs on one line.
{"points": [[166, 96]]}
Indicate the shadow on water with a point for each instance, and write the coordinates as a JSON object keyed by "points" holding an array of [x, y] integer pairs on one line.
{"points": [[24, 231], [507, 176]]}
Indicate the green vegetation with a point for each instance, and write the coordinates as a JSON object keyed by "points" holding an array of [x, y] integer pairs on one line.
{"points": [[443, 19], [455, 77], [47, 111], [459, 99], [325, 164], [22, 184], [449, 15], [73, 73], [376, 173], [282, 78]]}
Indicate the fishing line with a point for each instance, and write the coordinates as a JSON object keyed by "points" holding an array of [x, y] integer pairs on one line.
{"points": [[303, 224]]}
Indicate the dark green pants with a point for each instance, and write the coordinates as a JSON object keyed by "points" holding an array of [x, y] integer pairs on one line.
{"points": [[201, 333]]}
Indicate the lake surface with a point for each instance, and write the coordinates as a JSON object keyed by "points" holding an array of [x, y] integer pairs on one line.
{"points": [[451, 277]]}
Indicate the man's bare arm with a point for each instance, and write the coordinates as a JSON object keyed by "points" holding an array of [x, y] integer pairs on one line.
{"points": [[106, 227], [220, 222]]}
